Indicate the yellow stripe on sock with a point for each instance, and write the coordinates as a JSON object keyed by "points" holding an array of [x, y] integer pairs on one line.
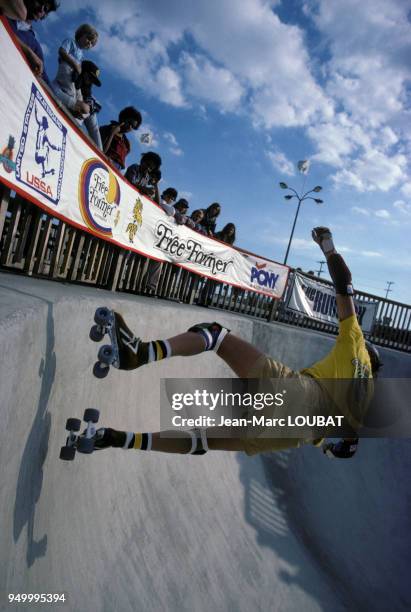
{"points": [[160, 353], [138, 439]]}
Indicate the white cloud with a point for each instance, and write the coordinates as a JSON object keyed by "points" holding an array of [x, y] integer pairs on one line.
{"points": [[240, 57], [360, 211], [406, 189], [174, 148], [373, 171], [210, 83], [382, 214], [280, 162], [404, 208], [371, 254]]}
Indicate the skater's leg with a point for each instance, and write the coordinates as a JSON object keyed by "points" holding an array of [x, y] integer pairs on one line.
{"points": [[238, 354], [181, 442], [190, 442]]}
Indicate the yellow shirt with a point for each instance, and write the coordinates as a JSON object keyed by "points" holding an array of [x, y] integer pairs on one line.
{"points": [[348, 359]]}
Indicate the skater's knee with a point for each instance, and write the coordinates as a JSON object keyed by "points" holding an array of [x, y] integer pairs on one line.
{"points": [[212, 333]]}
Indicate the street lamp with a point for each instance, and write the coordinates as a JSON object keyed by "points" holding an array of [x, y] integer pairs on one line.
{"points": [[300, 199]]}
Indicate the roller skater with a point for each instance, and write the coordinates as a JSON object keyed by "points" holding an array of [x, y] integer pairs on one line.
{"points": [[350, 358]]}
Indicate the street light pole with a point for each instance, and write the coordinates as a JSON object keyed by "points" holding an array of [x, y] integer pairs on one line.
{"points": [[292, 231], [300, 198]]}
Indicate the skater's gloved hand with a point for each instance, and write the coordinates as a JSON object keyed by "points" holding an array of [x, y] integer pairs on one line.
{"points": [[344, 449], [324, 238]]}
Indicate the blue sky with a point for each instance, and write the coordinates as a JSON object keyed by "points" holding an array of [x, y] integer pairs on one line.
{"points": [[236, 92]]}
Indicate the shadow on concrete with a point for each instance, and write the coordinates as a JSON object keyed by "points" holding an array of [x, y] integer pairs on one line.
{"points": [[271, 507], [30, 479]]}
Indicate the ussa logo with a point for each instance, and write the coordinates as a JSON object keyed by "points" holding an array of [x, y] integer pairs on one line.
{"points": [[99, 196], [263, 278], [40, 158]]}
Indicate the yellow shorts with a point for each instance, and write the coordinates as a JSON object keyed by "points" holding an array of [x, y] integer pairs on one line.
{"points": [[267, 368]]}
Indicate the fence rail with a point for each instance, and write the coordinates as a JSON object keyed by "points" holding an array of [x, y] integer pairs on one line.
{"points": [[37, 244]]}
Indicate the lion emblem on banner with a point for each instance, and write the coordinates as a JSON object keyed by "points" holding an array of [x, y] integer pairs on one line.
{"points": [[132, 228]]}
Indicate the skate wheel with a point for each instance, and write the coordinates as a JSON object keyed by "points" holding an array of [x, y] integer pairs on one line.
{"points": [[102, 316], [67, 453], [73, 424], [100, 370], [96, 334], [106, 354], [85, 445], [91, 414]]}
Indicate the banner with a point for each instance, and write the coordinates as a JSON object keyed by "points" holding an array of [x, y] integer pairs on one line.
{"points": [[317, 301], [48, 161]]}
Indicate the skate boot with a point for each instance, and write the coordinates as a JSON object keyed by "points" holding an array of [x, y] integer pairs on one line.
{"points": [[105, 437], [126, 351]]}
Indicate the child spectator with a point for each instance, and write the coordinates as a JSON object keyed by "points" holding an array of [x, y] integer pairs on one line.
{"points": [[227, 234], [116, 145], [84, 83], [181, 208], [168, 197], [210, 218], [30, 46], [197, 216], [69, 68], [139, 175]]}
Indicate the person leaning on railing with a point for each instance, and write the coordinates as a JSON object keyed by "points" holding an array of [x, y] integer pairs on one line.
{"points": [[15, 9], [141, 175], [70, 58], [116, 145], [152, 276], [209, 221], [23, 29]]}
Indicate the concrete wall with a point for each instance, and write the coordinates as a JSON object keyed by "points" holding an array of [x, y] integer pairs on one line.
{"points": [[132, 531]]}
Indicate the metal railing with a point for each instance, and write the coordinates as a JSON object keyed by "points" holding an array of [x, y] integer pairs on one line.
{"points": [[37, 244]]}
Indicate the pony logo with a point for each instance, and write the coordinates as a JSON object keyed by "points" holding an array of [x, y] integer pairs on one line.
{"points": [[132, 228], [6, 156]]}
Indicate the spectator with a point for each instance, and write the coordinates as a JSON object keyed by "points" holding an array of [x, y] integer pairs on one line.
{"points": [[210, 218], [116, 145], [15, 9], [152, 190], [181, 217], [84, 83], [227, 234], [36, 10], [168, 197], [197, 216], [139, 175], [70, 57]]}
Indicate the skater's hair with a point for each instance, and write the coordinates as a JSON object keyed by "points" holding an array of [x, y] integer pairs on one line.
{"points": [[375, 358]]}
